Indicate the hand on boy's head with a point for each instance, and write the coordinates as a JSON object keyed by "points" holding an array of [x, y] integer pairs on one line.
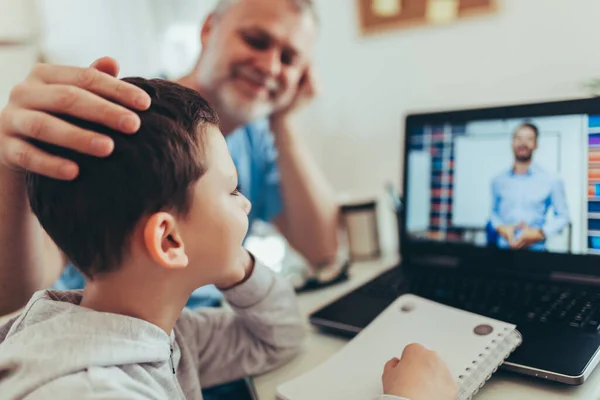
{"points": [[419, 375], [91, 94]]}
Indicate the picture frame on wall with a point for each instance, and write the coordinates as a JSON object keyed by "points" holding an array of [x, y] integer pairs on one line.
{"points": [[385, 15]]}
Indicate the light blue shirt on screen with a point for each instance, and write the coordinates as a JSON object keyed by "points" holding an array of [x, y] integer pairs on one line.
{"points": [[527, 198], [255, 156]]}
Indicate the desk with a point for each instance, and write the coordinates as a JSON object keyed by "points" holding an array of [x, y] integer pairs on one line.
{"points": [[319, 347]]}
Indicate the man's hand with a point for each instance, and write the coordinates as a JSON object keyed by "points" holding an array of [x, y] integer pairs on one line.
{"points": [[528, 237], [307, 91], [86, 93], [419, 375], [507, 232], [247, 262]]}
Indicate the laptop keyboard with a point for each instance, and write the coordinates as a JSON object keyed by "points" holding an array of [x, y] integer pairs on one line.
{"points": [[574, 306]]}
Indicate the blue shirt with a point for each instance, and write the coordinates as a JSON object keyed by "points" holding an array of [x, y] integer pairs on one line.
{"points": [[253, 151], [527, 198]]}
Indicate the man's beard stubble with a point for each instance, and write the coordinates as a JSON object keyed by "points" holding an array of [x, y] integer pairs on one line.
{"points": [[242, 109], [524, 159]]}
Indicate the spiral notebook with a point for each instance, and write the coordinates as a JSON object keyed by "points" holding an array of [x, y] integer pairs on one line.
{"points": [[472, 346]]}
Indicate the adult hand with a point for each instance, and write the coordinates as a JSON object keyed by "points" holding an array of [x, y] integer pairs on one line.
{"points": [[419, 375], [528, 237], [306, 92], [93, 94], [507, 232]]}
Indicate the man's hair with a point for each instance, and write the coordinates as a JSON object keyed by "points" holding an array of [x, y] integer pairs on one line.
{"points": [[301, 5], [530, 126], [92, 217]]}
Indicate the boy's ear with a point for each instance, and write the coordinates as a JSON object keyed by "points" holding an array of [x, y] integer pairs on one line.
{"points": [[163, 241]]}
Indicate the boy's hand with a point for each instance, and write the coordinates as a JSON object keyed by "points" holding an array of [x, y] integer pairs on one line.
{"points": [[247, 262], [92, 94], [419, 375]]}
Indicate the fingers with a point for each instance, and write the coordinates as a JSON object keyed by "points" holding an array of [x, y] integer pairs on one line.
{"points": [[107, 65], [47, 128], [413, 349], [77, 102], [93, 80], [502, 232], [29, 157], [391, 364], [517, 244], [311, 85], [508, 232], [86, 93]]}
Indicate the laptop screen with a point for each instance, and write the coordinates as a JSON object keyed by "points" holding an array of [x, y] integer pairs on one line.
{"points": [[521, 183]]}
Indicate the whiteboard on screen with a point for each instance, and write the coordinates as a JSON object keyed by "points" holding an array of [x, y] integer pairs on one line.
{"points": [[477, 161], [418, 194]]}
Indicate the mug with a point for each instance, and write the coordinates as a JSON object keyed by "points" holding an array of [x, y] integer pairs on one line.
{"points": [[362, 231]]}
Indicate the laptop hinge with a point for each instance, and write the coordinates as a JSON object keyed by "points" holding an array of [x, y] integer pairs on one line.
{"points": [[575, 278]]}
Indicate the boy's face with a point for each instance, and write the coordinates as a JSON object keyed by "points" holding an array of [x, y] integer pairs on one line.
{"points": [[215, 227]]}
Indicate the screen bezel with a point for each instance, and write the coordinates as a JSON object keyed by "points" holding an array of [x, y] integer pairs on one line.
{"points": [[470, 256]]}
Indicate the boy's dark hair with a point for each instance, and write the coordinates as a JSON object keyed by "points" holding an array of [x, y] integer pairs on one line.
{"points": [[92, 217]]}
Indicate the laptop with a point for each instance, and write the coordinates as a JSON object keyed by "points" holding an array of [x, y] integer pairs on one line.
{"points": [[501, 217]]}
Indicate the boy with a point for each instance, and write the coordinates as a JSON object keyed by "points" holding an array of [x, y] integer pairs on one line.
{"points": [[159, 217]]}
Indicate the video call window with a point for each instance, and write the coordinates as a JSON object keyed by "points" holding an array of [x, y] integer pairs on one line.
{"points": [[531, 183]]}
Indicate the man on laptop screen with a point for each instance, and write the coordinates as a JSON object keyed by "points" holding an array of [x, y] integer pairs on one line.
{"points": [[523, 195], [506, 183]]}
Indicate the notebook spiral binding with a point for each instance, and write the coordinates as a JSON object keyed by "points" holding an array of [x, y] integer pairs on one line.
{"points": [[499, 349]]}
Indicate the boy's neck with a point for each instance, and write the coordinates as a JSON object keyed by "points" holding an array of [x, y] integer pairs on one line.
{"points": [[150, 298]]}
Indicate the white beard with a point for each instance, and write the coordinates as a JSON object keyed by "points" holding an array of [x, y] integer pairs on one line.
{"points": [[240, 108]]}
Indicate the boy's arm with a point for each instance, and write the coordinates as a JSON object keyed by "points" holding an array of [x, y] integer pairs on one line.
{"points": [[495, 215], [561, 211], [263, 331]]}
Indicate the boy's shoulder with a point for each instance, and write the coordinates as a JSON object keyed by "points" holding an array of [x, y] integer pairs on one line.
{"points": [[100, 383], [44, 305], [55, 345]]}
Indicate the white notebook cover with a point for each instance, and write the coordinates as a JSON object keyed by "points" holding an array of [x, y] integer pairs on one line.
{"points": [[355, 371]]}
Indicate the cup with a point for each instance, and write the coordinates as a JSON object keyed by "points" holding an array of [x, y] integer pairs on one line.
{"points": [[360, 222]]}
